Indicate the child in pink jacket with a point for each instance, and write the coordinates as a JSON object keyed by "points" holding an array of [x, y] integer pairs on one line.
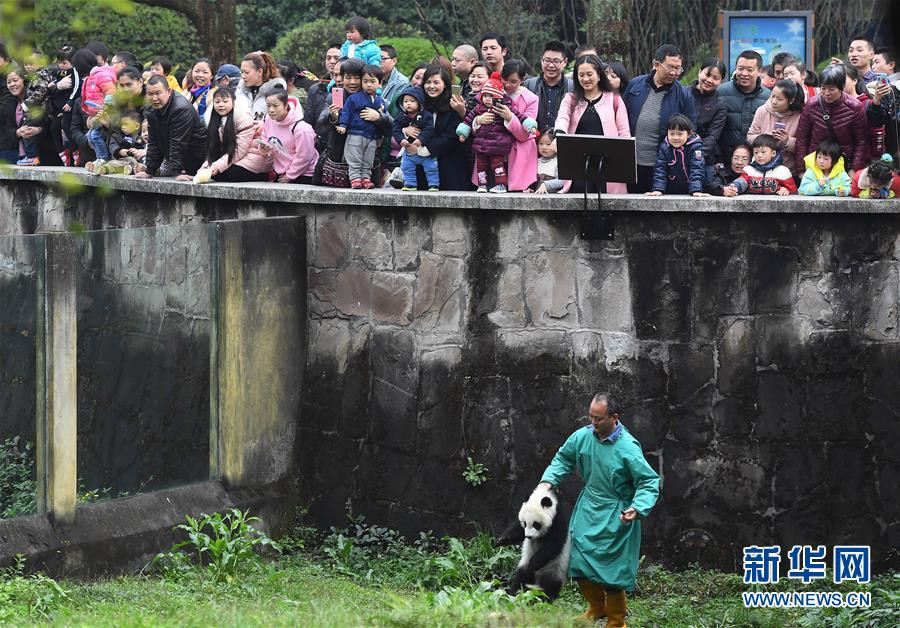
{"points": [[291, 140], [233, 155]]}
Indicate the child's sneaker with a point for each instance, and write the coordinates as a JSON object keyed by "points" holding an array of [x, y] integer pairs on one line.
{"points": [[396, 178], [128, 169], [29, 161], [356, 184], [433, 189], [101, 169], [408, 188], [481, 188], [92, 166], [498, 189], [367, 184]]}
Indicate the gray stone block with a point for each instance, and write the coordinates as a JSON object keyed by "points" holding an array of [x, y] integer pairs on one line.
{"points": [[392, 297], [440, 300], [370, 239], [412, 236], [604, 292], [510, 307], [773, 279], [550, 293], [450, 234], [875, 292], [354, 290], [330, 238], [534, 351]]}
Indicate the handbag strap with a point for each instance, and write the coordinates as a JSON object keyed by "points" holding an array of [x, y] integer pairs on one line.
{"points": [[827, 119]]}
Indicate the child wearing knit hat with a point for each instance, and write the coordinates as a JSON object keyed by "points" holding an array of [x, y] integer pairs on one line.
{"points": [[492, 140]]}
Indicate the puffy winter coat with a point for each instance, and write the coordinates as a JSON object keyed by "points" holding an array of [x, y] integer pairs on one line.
{"points": [[366, 50], [489, 139], [837, 183], [719, 176], [741, 108], [851, 131], [764, 122], [247, 154], [765, 179], [711, 115], [680, 170], [254, 101]]}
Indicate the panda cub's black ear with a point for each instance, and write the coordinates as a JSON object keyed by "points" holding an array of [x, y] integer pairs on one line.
{"points": [[546, 502]]}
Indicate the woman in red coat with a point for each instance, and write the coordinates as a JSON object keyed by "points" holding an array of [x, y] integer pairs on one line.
{"points": [[838, 115]]}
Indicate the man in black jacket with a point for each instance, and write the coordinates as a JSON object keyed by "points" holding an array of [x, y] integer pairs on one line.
{"points": [[551, 86], [177, 135]]}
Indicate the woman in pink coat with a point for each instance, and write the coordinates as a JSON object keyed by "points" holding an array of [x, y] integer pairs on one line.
{"points": [[607, 114], [523, 157], [779, 117]]}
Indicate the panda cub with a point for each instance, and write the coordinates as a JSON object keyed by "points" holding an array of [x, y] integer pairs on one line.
{"points": [[543, 530]]}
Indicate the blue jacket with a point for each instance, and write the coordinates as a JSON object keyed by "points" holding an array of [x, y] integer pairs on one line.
{"points": [[678, 99], [424, 120], [350, 119], [680, 170], [368, 51]]}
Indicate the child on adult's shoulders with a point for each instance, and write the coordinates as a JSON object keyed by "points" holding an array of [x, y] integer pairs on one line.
{"points": [[877, 180], [358, 43], [680, 165], [825, 174], [766, 174]]}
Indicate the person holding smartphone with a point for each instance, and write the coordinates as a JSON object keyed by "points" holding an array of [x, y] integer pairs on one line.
{"points": [[779, 117]]}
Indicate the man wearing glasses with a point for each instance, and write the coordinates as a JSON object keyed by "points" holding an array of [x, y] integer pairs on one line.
{"points": [[743, 95], [651, 100], [551, 85]]}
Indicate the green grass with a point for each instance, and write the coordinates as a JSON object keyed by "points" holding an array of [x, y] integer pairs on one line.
{"points": [[366, 575]]}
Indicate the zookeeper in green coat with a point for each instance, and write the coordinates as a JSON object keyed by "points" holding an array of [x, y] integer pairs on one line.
{"points": [[619, 489]]}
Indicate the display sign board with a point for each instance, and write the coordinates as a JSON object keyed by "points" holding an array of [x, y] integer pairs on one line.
{"points": [[768, 33]]}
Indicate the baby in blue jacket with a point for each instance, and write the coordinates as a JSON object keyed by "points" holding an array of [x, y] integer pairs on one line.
{"points": [[362, 136]]}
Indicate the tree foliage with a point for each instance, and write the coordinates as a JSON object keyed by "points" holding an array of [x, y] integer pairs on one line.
{"points": [[306, 44], [144, 30]]}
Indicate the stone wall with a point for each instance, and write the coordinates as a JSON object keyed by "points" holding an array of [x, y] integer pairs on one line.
{"points": [[755, 345], [18, 315], [143, 357]]}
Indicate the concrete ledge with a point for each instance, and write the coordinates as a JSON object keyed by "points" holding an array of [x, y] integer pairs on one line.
{"points": [[314, 195], [123, 535]]}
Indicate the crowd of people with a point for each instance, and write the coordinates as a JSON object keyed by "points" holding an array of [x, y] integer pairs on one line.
{"points": [[476, 121]]}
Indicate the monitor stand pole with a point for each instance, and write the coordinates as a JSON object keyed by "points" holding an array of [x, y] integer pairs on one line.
{"points": [[595, 224]]}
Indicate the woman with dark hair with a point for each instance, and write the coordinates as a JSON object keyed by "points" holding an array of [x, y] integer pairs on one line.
{"points": [[838, 115], [232, 153], [36, 129], [198, 87], [415, 79], [796, 71], [711, 108], [451, 154], [291, 75], [854, 84], [719, 177], [593, 108], [618, 76], [779, 118], [259, 78]]}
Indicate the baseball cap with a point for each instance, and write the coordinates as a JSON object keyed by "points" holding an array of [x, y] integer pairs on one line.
{"points": [[229, 70]]}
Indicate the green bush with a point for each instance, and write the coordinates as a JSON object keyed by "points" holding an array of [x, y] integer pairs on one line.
{"points": [[306, 44], [222, 546], [17, 488], [411, 51], [77, 22]]}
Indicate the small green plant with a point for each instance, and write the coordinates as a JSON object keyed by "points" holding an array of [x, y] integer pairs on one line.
{"points": [[222, 546], [17, 487], [35, 595], [475, 473]]}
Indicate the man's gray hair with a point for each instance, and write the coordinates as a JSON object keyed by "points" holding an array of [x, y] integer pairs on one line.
{"points": [[612, 404]]}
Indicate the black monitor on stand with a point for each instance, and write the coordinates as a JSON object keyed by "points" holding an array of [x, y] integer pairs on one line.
{"points": [[596, 159]]}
